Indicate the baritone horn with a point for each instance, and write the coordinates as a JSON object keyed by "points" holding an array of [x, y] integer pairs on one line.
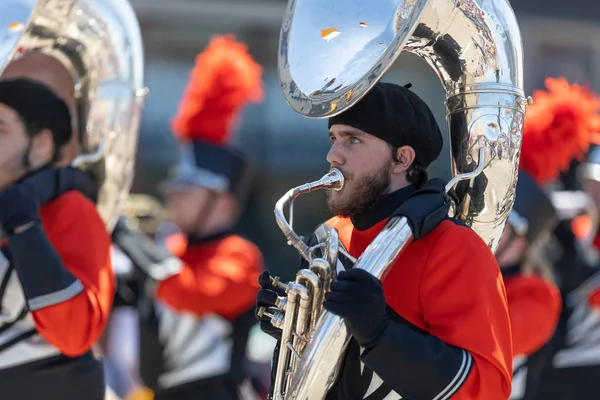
{"points": [[330, 55]]}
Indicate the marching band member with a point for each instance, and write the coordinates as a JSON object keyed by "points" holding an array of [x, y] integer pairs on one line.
{"points": [[589, 175], [199, 311], [120, 341], [572, 372], [56, 279], [438, 324], [534, 302], [552, 127]]}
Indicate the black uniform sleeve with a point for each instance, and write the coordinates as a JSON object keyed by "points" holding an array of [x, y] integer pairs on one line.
{"points": [[422, 367], [57, 285]]}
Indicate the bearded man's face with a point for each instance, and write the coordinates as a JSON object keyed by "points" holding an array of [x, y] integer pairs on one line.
{"points": [[366, 162]]}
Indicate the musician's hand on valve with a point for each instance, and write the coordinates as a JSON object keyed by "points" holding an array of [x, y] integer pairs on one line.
{"points": [[267, 300], [357, 297]]}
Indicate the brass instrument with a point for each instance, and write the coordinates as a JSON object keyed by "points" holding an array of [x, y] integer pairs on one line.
{"points": [[99, 44], [330, 55]]}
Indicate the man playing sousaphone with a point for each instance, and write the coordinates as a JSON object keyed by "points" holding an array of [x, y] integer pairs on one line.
{"points": [[57, 282], [437, 326]]}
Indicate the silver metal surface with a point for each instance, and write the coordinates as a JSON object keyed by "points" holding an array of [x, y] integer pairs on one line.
{"points": [[299, 314], [331, 53], [322, 355], [99, 43], [333, 180]]}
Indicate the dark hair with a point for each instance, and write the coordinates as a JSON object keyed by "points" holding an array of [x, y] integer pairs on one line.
{"points": [[415, 174], [33, 128]]}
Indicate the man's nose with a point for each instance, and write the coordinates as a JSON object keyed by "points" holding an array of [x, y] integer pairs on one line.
{"points": [[335, 157]]}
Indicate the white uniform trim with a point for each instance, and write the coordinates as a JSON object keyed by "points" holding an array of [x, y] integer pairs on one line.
{"points": [[459, 378], [32, 348], [51, 299], [194, 348]]}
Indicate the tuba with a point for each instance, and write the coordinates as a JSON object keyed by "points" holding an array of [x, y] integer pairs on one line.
{"points": [[99, 44], [331, 53]]}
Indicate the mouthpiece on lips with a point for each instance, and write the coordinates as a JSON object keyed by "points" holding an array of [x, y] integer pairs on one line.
{"points": [[334, 180]]}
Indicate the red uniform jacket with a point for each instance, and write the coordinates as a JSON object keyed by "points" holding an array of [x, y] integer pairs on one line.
{"points": [[220, 276], [446, 285], [56, 294], [534, 306], [79, 236], [203, 316]]}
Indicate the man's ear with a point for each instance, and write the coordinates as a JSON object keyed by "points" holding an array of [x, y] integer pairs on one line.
{"points": [[405, 156], [42, 149]]}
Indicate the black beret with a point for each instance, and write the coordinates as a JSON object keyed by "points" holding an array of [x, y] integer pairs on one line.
{"points": [[397, 115], [38, 107]]}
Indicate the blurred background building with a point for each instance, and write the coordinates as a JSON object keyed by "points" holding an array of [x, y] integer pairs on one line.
{"points": [[560, 39]]}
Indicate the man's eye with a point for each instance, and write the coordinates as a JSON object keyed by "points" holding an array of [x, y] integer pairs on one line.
{"points": [[354, 140]]}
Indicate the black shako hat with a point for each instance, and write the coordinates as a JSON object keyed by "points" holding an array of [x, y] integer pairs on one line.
{"points": [[224, 79]]}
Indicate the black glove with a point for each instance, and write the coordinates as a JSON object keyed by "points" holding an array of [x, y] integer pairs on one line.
{"points": [[52, 182], [267, 297], [426, 207], [357, 296], [19, 203], [18, 206]]}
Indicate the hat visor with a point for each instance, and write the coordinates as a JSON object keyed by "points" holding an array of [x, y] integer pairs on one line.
{"points": [[199, 178]]}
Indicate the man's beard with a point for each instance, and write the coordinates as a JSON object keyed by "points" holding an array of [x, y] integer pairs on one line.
{"points": [[363, 196]]}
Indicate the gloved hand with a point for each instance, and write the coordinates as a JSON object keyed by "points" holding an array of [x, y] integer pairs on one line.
{"points": [[267, 297], [18, 206], [357, 296], [19, 203], [426, 207], [52, 182]]}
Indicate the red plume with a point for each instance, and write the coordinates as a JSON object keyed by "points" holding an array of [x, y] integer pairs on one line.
{"points": [[223, 80], [559, 127]]}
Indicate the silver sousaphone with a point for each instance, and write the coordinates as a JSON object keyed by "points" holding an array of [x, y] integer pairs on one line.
{"points": [[99, 43]]}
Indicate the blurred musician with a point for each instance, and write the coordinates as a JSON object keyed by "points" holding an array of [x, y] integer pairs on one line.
{"points": [[197, 301], [57, 283]]}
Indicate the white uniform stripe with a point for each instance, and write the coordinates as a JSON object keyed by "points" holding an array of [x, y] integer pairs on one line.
{"points": [[194, 347], [60, 296], [16, 323], [459, 378]]}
